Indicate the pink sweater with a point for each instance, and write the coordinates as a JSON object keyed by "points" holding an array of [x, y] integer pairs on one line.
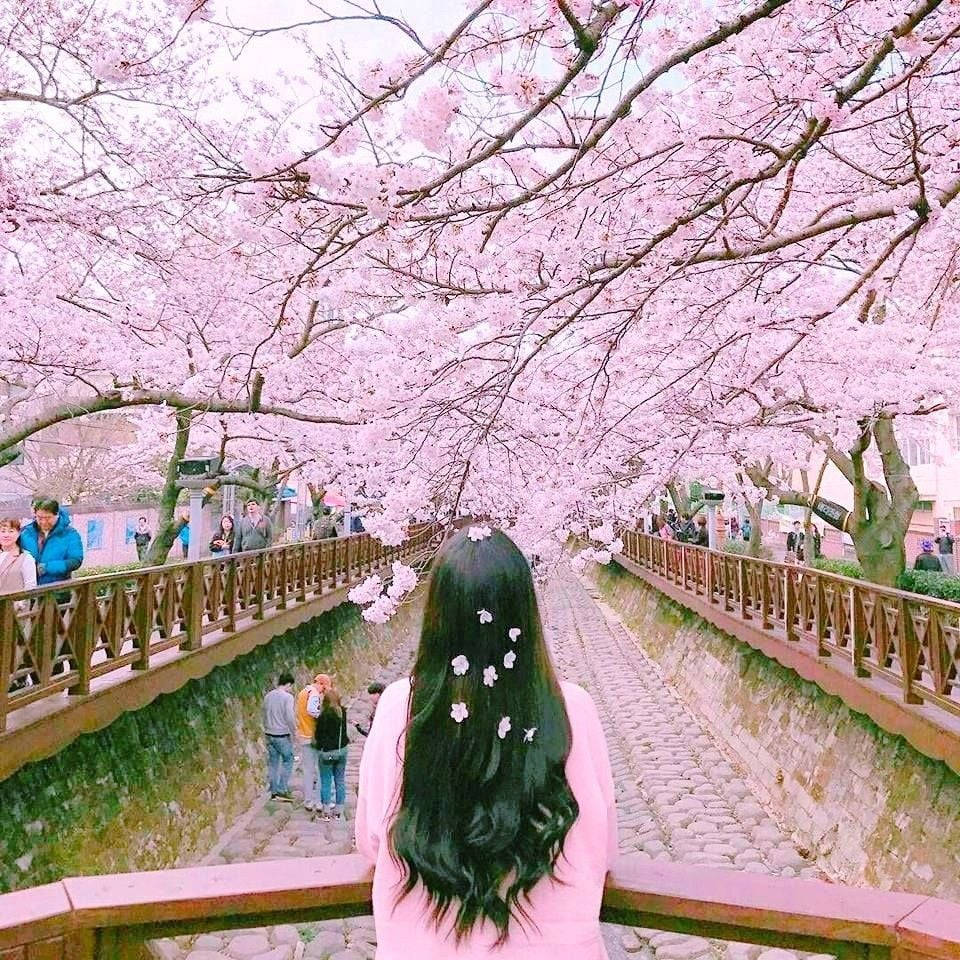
{"points": [[567, 915]]}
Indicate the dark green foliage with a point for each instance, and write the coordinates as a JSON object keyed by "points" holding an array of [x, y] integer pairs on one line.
{"points": [[845, 568], [741, 548], [931, 584], [124, 788]]}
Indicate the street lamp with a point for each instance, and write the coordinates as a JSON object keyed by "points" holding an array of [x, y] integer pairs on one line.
{"points": [[711, 498], [193, 475]]}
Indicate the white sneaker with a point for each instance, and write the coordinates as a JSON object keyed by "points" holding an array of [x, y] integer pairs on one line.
{"points": [[309, 805]]}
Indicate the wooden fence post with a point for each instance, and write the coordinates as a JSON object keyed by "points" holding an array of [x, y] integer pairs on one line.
{"points": [[858, 629], [7, 652], [284, 569], [909, 653], [742, 581], [259, 588], [85, 618], [193, 602], [143, 619], [346, 559], [789, 603], [302, 586], [820, 617]]}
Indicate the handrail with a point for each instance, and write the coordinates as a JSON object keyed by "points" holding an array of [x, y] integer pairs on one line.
{"points": [[82, 918], [911, 640], [62, 636]]}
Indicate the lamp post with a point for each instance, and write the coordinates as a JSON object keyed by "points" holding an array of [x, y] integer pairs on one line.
{"points": [[193, 475], [712, 498]]}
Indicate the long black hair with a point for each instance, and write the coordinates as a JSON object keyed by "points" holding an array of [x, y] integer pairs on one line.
{"points": [[481, 819]]}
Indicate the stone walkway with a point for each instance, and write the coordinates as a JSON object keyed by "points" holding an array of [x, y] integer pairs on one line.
{"points": [[678, 798]]}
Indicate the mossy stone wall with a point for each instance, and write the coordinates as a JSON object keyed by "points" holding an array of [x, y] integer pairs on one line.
{"points": [[871, 808], [160, 785]]}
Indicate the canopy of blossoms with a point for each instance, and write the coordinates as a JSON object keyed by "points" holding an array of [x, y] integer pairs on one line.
{"points": [[528, 266]]}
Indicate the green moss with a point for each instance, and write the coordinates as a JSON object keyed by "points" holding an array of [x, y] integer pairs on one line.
{"points": [[148, 791]]}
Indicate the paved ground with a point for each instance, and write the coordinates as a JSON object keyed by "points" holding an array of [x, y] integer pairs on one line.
{"points": [[678, 797]]}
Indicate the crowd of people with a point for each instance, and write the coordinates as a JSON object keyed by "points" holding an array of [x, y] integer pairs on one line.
{"points": [[312, 724]]}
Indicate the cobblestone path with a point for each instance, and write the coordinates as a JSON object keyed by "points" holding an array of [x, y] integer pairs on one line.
{"points": [[678, 798]]}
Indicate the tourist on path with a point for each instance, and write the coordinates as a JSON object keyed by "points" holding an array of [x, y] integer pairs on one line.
{"points": [[279, 727], [18, 569], [255, 532], [734, 528], [746, 529], [469, 805], [945, 547], [307, 708], [702, 537], [374, 691], [222, 541], [795, 540], [183, 535], [141, 538], [53, 543], [331, 742], [926, 560]]}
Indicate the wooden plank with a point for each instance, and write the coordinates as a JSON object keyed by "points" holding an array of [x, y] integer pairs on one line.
{"points": [[230, 890], [752, 902], [34, 914], [931, 931]]}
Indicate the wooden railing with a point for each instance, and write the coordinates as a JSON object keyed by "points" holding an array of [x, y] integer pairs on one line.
{"points": [[111, 917], [911, 640], [63, 636]]}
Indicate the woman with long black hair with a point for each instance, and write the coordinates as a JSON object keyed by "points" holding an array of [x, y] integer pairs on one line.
{"points": [[486, 798]]}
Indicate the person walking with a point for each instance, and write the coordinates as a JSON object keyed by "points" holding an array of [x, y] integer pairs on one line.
{"points": [[374, 691], [746, 529], [18, 569], [141, 538], [52, 541], [307, 708], [222, 541], [331, 743], [486, 798], [183, 535], [926, 560], [279, 728], [795, 540], [734, 528], [945, 548], [702, 536], [255, 532]]}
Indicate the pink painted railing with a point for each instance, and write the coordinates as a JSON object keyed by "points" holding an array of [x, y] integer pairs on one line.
{"points": [[911, 640], [63, 636], [111, 917]]}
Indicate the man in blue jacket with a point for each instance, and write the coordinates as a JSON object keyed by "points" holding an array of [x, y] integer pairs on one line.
{"points": [[52, 542]]}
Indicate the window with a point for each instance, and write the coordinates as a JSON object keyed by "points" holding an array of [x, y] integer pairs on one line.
{"points": [[916, 452], [129, 529], [94, 534], [954, 432], [926, 506]]}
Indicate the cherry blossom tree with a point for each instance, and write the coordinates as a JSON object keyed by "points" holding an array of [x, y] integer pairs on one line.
{"points": [[539, 263]]}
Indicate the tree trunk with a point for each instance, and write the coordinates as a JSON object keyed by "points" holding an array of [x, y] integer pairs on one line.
{"points": [[755, 513], [168, 524]]}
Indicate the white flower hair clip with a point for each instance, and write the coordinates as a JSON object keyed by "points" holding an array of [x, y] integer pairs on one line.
{"points": [[528, 735], [513, 633], [504, 728], [459, 711], [460, 665], [485, 616], [509, 659], [476, 534], [490, 676]]}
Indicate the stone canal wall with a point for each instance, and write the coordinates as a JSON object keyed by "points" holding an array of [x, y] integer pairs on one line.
{"points": [[159, 786], [868, 807]]}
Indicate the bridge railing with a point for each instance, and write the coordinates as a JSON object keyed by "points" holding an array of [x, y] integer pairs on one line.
{"points": [[911, 640], [112, 917], [63, 636]]}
